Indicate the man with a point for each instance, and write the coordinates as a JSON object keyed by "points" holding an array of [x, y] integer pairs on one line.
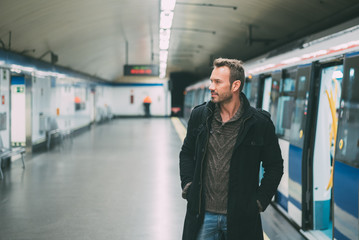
{"points": [[226, 141]]}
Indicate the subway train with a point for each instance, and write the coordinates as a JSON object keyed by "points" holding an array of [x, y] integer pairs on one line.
{"points": [[311, 90]]}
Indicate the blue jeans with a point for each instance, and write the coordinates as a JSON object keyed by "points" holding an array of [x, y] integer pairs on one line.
{"points": [[214, 227]]}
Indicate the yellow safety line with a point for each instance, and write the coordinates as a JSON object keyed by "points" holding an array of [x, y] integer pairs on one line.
{"points": [[181, 131]]}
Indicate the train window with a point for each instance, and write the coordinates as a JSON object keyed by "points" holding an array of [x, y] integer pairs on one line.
{"points": [[347, 146], [200, 94], [302, 86], [247, 89], [288, 85], [274, 95], [189, 99], [266, 93], [286, 104], [253, 96], [207, 95], [300, 108]]}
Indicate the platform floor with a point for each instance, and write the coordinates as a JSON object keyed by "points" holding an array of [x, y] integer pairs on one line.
{"points": [[119, 180]]}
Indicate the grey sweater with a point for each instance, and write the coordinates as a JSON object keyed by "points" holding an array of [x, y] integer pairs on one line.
{"points": [[216, 172]]}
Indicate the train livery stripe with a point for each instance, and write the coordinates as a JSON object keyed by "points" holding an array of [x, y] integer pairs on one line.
{"points": [[346, 183]]}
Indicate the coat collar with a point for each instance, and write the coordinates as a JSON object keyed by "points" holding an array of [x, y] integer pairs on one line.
{"points": [[244, 102]]}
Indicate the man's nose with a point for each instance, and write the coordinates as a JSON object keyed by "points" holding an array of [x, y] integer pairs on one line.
{"points": [[211, 87]]}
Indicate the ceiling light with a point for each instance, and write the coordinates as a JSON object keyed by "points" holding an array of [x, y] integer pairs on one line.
{"points": [[168, 5], [166, 19], [164, 44], [162, 74], [165, 34], [163, 65], [163, 56]]}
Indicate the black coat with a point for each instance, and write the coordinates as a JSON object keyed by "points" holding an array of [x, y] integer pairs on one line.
{"points": [[256, 142]]}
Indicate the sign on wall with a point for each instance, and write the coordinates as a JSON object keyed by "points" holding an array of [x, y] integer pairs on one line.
{"points": [[141, 70]]}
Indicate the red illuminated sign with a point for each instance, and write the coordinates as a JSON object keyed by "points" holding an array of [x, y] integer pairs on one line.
{"points": [[141, 70]]}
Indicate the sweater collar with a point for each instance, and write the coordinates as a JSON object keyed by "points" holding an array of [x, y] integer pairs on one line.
{"points": [[244, 105]]}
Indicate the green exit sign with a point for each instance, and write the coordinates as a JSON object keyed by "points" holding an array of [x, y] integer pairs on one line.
{"points": [[20, 89]]}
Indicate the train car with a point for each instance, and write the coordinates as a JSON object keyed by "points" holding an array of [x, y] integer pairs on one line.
{"points": [[311, 92], [195, 94]]}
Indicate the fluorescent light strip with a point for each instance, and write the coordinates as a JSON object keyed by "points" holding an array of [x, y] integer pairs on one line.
{"points": [[166, 18], [168, 5]]}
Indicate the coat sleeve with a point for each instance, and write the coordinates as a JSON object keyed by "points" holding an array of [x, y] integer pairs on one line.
{"points": [[272, 163], [186, 156]]}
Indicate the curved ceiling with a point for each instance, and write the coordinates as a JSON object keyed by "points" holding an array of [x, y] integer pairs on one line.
{"points": [[100, 37]]}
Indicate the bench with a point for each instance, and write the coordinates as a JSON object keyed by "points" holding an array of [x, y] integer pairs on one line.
{"points": [[9, 152], [62, 134]]}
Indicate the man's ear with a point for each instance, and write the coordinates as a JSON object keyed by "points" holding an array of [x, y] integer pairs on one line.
{"points": [[236, 85]]}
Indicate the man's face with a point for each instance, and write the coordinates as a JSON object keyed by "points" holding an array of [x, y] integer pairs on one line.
{"points": [[220, 85]]}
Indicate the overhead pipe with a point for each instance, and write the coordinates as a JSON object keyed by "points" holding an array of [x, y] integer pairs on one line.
{"points": [[195, 30], [207, 5]]}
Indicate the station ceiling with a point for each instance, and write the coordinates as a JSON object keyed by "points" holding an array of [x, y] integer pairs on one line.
{"points": [[100, 37]]}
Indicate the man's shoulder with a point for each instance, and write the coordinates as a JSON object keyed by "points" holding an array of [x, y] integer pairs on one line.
{"points": [[200, 108], [199, 112], [261, 114]]}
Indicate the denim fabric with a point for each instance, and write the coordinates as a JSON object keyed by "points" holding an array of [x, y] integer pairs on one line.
{"points": [[214, 227]]}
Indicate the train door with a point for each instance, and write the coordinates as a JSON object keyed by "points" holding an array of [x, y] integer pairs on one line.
{"points": [[267, 86], [21, 112], [283, 105], [346, 168], [297, 165], [329, 95], [274, 94]]}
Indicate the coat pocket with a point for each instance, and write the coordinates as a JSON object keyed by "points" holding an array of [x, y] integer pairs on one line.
{"points": [[252, 207]]}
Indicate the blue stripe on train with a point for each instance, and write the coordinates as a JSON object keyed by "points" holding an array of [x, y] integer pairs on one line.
{"points": [[346, 183], [295, 203], [282, 201], [295, 163], [295, 172], [339, 235]]}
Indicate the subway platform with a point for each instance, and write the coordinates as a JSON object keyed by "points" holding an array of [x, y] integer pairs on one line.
{"points": [[118, 180]]}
